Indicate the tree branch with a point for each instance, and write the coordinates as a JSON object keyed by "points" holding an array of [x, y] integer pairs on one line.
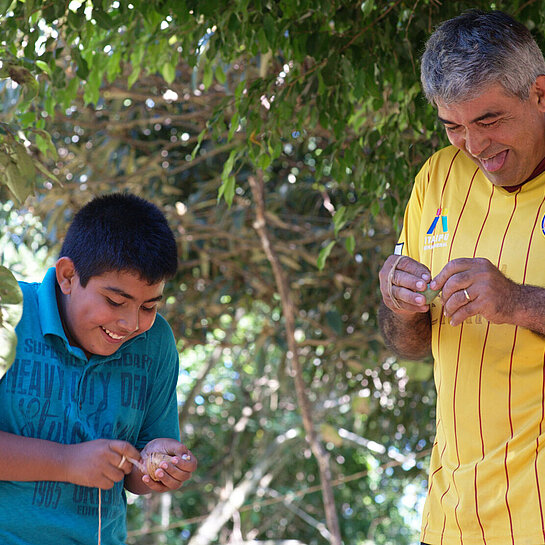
{"points": [[289, 312]]}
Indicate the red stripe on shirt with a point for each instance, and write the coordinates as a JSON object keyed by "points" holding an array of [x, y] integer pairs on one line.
{"points": [[510, 388], [536, 220], [481, 380]]}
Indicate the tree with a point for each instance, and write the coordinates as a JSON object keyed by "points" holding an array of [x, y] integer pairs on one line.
{"points": [[313, 107]]}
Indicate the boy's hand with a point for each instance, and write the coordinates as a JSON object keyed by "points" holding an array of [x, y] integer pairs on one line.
{"points": [[171, 474], [99, 463]]}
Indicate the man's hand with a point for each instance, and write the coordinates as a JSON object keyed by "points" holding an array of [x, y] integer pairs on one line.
{"points": [[171, 474], [472, 286], [403, 285]]}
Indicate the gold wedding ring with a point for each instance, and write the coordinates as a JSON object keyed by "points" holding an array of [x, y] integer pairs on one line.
{"points": [[467, 295]]}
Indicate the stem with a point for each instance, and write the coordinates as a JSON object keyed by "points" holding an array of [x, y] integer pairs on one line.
{"points": [[289, 311]]}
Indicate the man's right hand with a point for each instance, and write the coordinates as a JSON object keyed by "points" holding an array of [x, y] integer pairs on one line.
{"points": [[408, 279]]}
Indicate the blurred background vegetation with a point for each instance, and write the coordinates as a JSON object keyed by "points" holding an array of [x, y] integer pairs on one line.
{"points": [[281, 138]]}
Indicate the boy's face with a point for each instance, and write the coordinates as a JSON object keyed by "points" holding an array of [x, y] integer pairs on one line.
{"points": [[111, 309]]}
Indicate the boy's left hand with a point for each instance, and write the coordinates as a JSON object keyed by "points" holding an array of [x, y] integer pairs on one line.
{"points": [[171, 474]]}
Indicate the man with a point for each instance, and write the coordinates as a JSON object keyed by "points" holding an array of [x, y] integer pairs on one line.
{"points": [[474, 229]]}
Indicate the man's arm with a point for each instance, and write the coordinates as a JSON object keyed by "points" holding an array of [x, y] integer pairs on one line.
{"points": [[404, 316], [408, 336]]}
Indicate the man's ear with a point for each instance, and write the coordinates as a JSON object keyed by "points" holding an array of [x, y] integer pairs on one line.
{"points": [[66, 274], [539, 89]]}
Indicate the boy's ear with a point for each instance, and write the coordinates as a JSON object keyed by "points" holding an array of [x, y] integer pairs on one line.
{"points": [[66, 273]]}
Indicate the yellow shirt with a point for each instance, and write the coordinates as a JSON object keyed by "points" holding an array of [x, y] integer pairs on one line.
{"points": [[487, 474]]}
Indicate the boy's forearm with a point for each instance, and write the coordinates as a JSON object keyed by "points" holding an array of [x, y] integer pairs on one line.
{"points": [[407, 335], [30, 459]]}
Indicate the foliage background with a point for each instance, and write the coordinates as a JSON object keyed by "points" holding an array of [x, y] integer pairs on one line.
{"points": [[316, 102]]}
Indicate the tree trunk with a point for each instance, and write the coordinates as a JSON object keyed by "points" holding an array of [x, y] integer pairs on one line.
{"points": [[289, 312]]}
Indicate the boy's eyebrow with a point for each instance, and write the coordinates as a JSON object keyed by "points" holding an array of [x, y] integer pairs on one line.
{"points": [[487, 115], [122, 293]]}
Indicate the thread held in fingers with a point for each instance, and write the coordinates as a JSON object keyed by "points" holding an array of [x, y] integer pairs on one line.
{"points": [[153, 462]]}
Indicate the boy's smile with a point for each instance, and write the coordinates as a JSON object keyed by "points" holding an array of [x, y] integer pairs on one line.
{"points": [[111, 309]]}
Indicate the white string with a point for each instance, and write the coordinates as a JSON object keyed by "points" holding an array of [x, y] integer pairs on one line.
{"points": [[99, 517]]}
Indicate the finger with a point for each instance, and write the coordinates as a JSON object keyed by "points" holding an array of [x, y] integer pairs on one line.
{"points": [[414, 268], [408, 280], [459, 266], [188, 462], [460, 306], [410, 300]]}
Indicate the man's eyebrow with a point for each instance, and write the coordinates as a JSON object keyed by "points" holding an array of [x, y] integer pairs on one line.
{"points": [[487, 115], [126, 295]]}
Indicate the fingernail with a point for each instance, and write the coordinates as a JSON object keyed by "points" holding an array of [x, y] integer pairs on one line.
{"points": [[420, 285], [186, 457], [420, 300]]}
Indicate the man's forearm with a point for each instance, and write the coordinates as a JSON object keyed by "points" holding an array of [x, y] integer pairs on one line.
{"points": [[407, 335], [529, 309]]}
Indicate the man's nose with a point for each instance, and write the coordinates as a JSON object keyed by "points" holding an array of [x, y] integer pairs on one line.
{"points": [[476, 142]]}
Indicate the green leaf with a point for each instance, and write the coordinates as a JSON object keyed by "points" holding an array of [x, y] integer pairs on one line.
{"points": [[227, 190], [350, 244], [168, 72], [207, 75], [220, 75], [11, 309], [113, 69], [367, 7], [324, 254], [339, 219], [44, 67], [102, 18], [264, 160]]}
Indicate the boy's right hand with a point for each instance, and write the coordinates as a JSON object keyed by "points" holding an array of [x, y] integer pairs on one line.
{"points": [[99, 463]]}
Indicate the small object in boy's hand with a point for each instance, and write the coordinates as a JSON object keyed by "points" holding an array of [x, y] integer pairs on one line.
{"points": [[153, 462], [429, 294]]}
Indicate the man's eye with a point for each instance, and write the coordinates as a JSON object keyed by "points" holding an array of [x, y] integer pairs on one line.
{"points": [[113, 303], [149, 309]]}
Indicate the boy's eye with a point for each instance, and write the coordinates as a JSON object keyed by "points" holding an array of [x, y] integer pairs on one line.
{"points": [[113, 303], [149, 309]]}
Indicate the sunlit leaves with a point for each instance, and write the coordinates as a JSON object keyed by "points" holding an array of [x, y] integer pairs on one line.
{"points": [[11, 307]]}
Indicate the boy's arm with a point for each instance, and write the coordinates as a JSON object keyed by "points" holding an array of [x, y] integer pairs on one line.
{"points": [[93, 463]]}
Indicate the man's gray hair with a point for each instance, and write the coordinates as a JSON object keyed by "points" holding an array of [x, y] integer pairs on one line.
{"points": [[468, 53]]}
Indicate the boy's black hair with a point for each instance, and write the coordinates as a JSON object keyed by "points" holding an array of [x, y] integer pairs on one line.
{"points": [[121, 232]]}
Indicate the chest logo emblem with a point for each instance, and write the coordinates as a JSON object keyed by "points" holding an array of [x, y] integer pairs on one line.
{"points": [[437, 237]]}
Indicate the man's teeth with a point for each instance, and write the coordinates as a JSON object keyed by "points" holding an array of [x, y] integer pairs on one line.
{"points": [[113, 335]]}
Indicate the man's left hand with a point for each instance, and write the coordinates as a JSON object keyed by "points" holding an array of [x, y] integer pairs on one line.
{"points": [[472, 286]]}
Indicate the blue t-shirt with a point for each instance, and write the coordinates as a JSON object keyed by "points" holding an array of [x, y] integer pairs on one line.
{"points": [[52, 391]]}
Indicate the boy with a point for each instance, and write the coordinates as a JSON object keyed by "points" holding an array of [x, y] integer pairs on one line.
{"points": [[93, 382]]}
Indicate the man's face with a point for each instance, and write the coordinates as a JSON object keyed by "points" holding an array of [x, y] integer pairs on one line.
{"points": [[500, 133], [111, 309]]}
